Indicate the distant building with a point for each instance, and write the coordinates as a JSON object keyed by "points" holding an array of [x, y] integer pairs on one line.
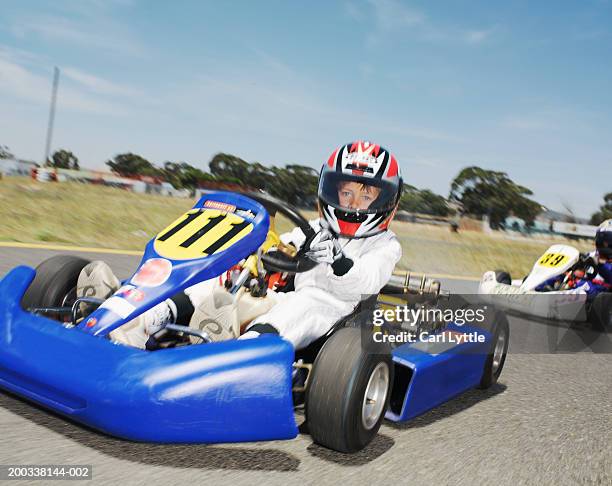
{"points": [[16, 167], [553, 222]]}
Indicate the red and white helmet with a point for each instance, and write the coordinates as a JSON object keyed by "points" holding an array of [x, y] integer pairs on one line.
{"points": [[368, 164]]}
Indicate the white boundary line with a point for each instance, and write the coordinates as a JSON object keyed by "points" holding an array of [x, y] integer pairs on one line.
{"points": [[37, 246]]}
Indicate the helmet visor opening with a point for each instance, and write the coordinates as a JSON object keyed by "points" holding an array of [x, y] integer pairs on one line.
{"points": [[356, 192]]}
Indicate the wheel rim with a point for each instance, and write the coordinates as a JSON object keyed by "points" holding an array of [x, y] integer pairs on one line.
{"points": [[498, 352], [375, 396], [67, 301], [69, 297]]}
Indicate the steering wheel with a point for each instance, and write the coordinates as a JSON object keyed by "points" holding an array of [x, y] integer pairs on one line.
{"points": [[281, 261], [587, 265]]}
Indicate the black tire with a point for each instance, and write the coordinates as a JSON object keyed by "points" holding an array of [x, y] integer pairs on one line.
{"points": [[336, 392], [599, 312], [496, 323], [503, 277], [55, 282]]}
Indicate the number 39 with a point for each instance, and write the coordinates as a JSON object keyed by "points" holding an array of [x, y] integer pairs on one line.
{"points": [[552, 259]]}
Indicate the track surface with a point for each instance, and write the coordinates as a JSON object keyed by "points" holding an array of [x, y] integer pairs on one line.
{"points": [[548, 421]]}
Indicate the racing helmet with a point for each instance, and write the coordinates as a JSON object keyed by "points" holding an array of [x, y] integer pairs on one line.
{"points": [[359, 190], [603, 240]]}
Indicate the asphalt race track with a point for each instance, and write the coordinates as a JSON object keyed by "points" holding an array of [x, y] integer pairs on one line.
{"points": [[548, 421]]}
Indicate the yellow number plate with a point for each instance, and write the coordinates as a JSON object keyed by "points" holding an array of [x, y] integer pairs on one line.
{"points": [[552, 260], [200, 233]]}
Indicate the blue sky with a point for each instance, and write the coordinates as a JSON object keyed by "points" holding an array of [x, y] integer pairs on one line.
{"points": [[524, 87]]}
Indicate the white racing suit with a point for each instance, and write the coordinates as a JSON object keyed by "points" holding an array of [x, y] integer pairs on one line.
{"points": [[321, 297]]}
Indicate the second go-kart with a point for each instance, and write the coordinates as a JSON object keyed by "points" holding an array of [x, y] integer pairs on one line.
{"points": [[559, 301], [57, 350]]}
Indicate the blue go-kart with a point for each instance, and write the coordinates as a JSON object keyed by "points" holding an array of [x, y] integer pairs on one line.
{"points": [[56, 350]]}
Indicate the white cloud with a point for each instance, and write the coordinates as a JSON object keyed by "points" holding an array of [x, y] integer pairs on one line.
{"points": [[18, 81], [391, 14], [393, 18], [390, 17], [87, 31], [477, 36], [22, 82], [19, 55], [97, 84]]}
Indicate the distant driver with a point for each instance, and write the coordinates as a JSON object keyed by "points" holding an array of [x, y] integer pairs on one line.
{"points": [[578, 279]]}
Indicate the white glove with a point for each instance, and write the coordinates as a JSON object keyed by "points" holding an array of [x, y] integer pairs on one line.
{"points": [[324, 248]]}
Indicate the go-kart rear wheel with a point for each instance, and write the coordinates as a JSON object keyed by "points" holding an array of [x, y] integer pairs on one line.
{"points": [[348, 393], [55, 282], [502, 276], [599, 312], [496, 323]]}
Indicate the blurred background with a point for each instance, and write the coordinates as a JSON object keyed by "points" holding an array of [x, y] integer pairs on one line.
{"points": [[117, 114]]}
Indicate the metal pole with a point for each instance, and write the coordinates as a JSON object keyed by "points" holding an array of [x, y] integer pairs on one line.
{"points": [[51, 113]]}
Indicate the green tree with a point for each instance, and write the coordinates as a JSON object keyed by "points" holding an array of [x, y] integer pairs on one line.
{"points": [[260, 176], [423, 201], [605, 211], [296, 184], [486, 192], [306, 181], [229, 168], [64, 159], [184, 175], [5, 152], [130, 164]]}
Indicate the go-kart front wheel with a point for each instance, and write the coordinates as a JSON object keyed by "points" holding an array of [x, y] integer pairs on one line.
{"points": [[348, 393], [496, 323], [55, 282], [501, 276]]}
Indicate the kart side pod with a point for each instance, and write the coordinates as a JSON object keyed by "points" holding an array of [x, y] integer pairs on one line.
{"points": [[429, 374], [223, 392]]}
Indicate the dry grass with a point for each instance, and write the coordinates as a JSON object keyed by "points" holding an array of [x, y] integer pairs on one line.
{"points": [[82, 214], [86, 215], [435, 249]]}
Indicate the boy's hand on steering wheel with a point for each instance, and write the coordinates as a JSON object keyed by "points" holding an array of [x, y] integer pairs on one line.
{"points": [[324, 248]]}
